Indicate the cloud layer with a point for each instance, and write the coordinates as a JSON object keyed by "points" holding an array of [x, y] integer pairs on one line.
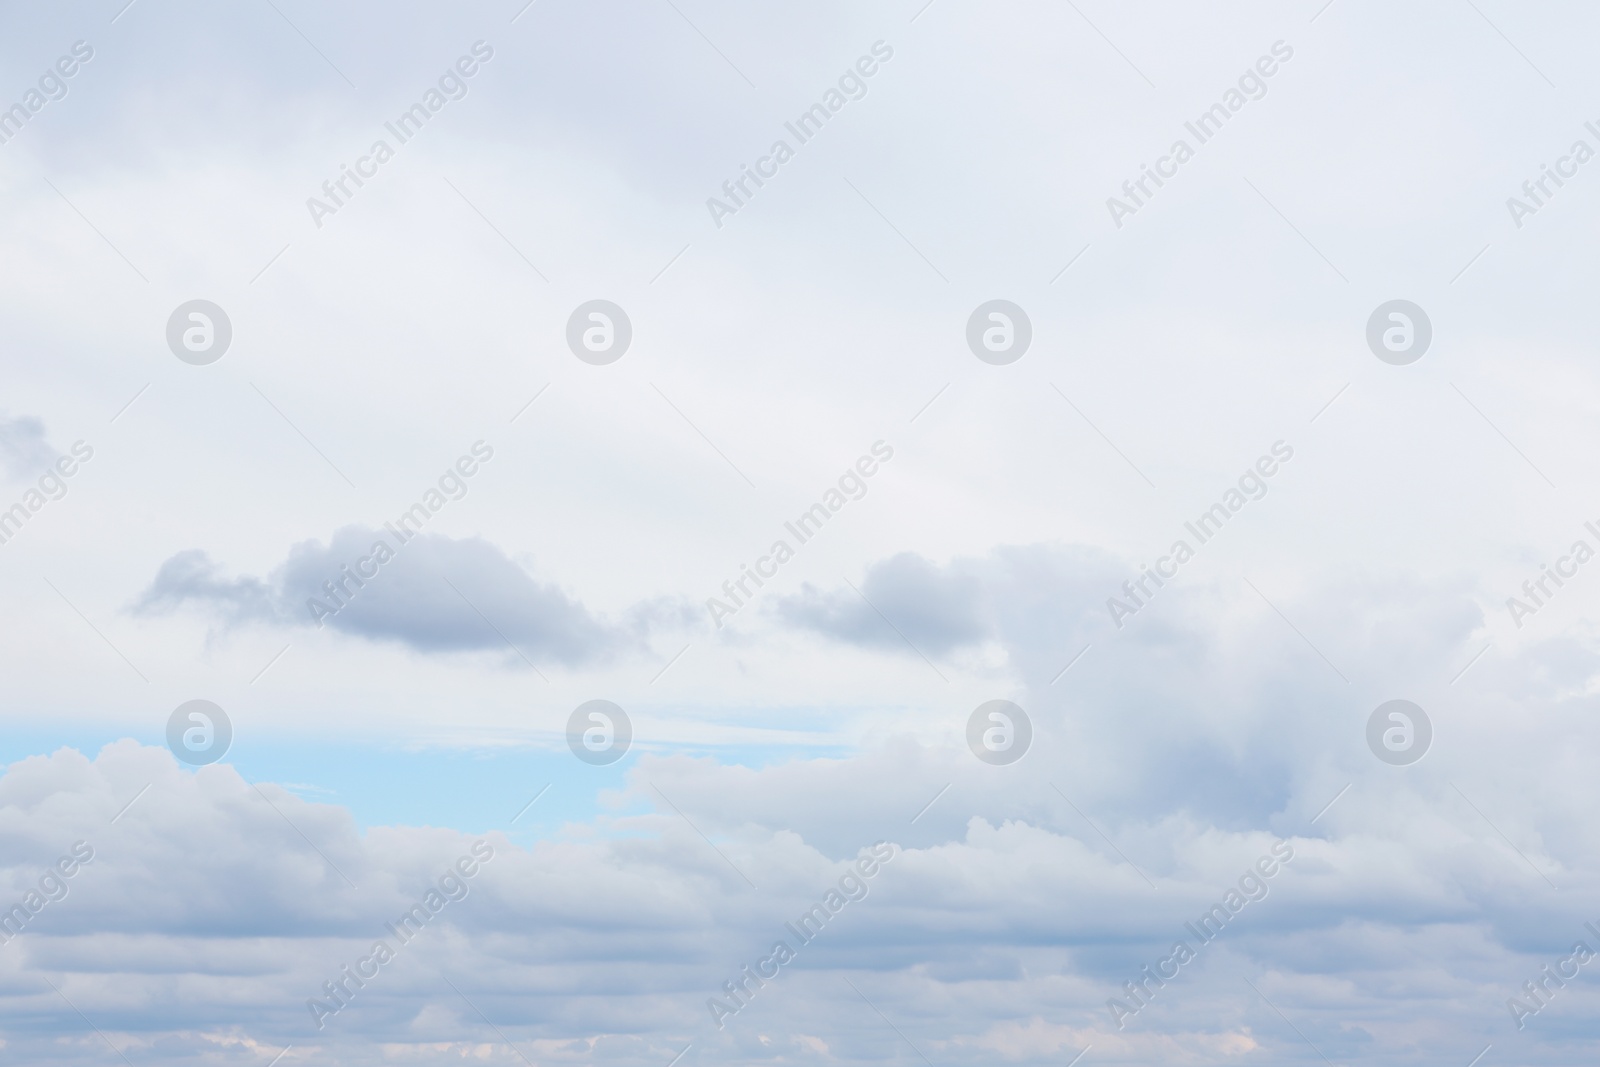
{"points": [[989, 936], [1172, 347]]}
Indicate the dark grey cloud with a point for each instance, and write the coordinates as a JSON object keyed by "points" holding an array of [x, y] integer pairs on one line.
{"points": [[432, 592]]}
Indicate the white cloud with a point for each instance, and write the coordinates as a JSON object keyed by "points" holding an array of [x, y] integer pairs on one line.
{"points": [[1226, 714]]}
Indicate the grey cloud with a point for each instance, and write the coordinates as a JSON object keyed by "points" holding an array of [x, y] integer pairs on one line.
{"points": [[24, 452], [943, 609], [938, 609], [435, 594], [1206, 702], [592, 141], [205, 913], [192, 575]]}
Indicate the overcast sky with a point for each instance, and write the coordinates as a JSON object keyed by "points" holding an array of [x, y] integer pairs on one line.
{"points": [[1197, 381]]}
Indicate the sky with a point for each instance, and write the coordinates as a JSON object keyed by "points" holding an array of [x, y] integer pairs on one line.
{"points": [[886, 533]]}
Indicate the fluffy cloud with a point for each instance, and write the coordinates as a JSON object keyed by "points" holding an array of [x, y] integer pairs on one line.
{"points": [[435, 594], [937, 610], [1227, 714], [214, 908], [943, 609]]}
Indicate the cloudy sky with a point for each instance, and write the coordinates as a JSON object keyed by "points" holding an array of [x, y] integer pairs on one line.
{"points": [[1316, 272]]}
